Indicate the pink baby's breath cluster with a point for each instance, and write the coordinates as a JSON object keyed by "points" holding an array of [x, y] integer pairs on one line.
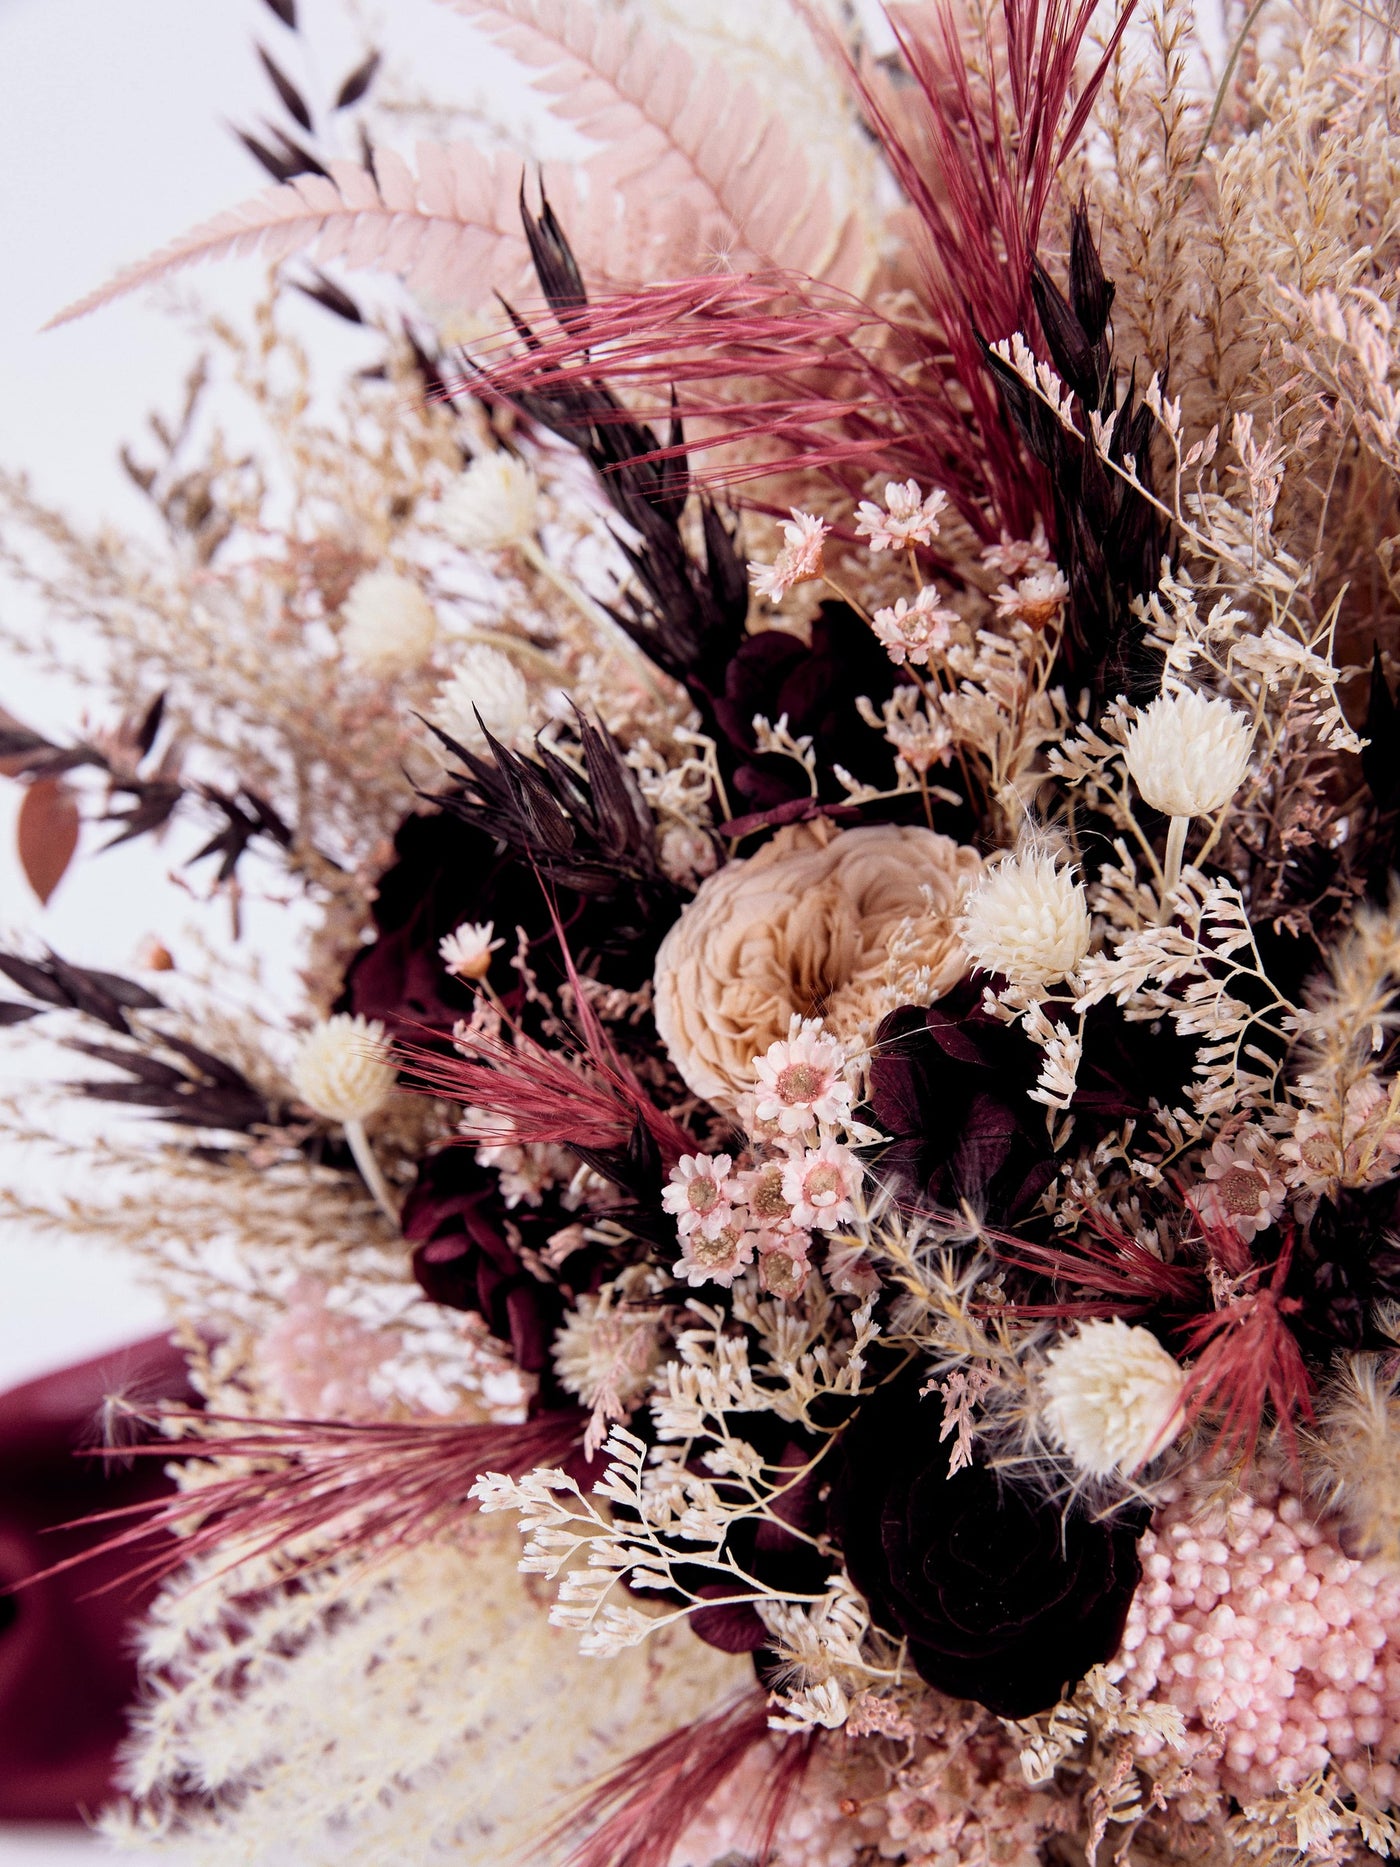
{"points": [[796, 1178], [1272, 1642], [320, 1362], [906, 518]]}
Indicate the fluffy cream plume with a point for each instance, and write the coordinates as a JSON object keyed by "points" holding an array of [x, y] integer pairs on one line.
{"points": [[343, 1071], [388, 1715], [390, 626]]}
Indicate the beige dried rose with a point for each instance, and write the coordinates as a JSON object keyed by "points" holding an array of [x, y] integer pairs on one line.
{"points": [[808, 926]]}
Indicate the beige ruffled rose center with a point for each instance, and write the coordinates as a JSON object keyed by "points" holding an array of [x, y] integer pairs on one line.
{"points": [[819, 923]]}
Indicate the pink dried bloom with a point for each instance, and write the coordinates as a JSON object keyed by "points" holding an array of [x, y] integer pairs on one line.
{"points": [[1314, 1156], [761, 1190], [321, 1363], [799, 561], [782, 1270], [1272, 1642], [820, 1183], [1241, 1188], [1013, 558], [699, 1190], [1035, 599], [802, 1080], [906, 518], [910, 631], [716, 1250]]}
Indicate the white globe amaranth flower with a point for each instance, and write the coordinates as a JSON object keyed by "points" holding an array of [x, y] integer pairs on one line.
{"points": [[487, 683], [1028, 920], [1188, 754], [389, 625], [343, 1070], [493, 505], [1111, 1397]]}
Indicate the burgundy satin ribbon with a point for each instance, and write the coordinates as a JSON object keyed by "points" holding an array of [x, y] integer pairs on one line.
{"points": [[67, 1674]]}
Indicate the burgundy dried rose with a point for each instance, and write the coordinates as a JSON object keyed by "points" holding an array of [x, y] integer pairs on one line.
{"points": [[1003, 1598]]}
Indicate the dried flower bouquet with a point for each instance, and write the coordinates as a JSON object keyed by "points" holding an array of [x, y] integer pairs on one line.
{"points": [[840, 762]]}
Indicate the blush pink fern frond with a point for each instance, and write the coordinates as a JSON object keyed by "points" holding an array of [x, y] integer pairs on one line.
{"points": [[453, 229], [729, 171]]}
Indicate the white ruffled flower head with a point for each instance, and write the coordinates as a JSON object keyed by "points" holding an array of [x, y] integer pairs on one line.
{"points": [[493, 505], [1028, 920], [466, 951], [799, 561], [488, 683], [1188, 754], [389, 625], [343, 1069], [802, 1080], [1111, 1397], [907, 517]]}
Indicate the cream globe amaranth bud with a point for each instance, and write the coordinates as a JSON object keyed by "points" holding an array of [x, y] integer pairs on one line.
{"points": [[1188, 754], [1111, 1397], [389, 625], [1028, 920], [493, 505], [343, 1070], [487, 684]]}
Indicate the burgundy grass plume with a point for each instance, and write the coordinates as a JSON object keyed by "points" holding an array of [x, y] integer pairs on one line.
{"points": [[352, 1485], [637, 1815], [800, 376]]}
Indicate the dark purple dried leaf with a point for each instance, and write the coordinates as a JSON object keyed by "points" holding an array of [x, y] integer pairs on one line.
{"points": [[359, 81], [286, 90]]}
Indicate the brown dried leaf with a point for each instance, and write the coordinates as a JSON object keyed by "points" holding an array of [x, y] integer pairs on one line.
{"points": [[47, 834]]}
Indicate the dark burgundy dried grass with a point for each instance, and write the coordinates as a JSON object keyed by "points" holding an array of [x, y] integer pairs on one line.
{"points": [[637, 1815], [350, 1486]]}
